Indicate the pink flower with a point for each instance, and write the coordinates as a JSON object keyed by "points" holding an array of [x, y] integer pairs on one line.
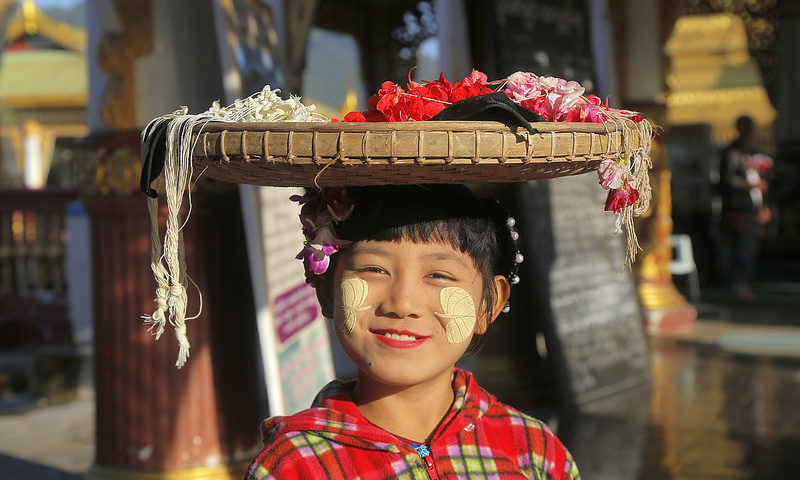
{"points": [[539, 107], [589, 111], [619, 199], [614, 175], [316, 260], [523, 86], [551, 97], [478, 76], [319, 212], [562, 97]]}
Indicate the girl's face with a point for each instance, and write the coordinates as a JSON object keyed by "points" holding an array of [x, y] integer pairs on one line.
{"points": [[405, 312]]}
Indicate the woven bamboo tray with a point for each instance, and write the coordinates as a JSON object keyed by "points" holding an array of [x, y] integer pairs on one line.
{"points": [[325, 154]]}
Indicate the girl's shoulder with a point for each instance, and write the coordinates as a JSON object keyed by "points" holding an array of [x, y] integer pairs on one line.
{"points": [[281, 457], [529, 439], [507, 420]]}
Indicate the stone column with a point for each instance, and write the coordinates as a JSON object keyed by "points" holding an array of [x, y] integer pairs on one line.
{"points": [[154, 421]]}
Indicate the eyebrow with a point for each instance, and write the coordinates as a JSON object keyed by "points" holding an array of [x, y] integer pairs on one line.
{"points": [[431, 257], [446, 256], [369, 249]]}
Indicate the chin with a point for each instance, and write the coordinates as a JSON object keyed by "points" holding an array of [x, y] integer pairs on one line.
{"points": [[401, 372], [394, 375]]}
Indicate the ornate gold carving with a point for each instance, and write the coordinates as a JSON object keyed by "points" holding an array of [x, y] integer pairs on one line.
{"points": [[104, 171], [117, 53]]}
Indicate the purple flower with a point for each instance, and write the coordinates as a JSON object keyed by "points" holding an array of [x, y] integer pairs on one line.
{"points": [[316, 260], [320, 211]]}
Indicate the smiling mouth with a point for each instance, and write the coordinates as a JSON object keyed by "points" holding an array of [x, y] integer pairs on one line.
{"points": [[399, 338], [402, 335]]}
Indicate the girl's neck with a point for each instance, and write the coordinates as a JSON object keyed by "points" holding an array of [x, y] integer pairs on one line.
{"points": [[412, 412]]}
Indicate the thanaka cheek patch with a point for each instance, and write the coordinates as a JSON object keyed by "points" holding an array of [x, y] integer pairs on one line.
{"points": [[351, 296], [459, 310]]}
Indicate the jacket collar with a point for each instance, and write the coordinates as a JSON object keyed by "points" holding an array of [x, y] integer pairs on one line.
{"points": [[334, 415]]}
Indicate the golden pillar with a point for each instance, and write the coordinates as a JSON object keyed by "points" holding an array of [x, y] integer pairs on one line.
{"points": [[665, 308]]}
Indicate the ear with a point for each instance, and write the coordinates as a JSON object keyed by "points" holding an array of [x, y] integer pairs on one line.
{"points": [[502, 292]]}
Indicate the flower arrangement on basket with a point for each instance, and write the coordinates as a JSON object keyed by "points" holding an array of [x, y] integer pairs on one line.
{"points": [[554, 99], [624, 174]]}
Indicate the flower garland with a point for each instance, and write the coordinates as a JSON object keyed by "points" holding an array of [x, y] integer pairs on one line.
{"points": [[555, 100], [320, 211]]}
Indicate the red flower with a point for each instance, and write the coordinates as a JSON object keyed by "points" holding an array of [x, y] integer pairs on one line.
{"points": [[590, 111], [471, 86], [354, 117], [538, 106], [467, 89], [376, 117], [621, 198], [419, 102]]}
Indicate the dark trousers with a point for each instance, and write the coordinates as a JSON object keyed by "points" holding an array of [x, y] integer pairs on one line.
{"points": [[740, 232]]}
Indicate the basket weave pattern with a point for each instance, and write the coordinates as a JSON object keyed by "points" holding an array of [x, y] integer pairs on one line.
{"points": [[291, 154]]}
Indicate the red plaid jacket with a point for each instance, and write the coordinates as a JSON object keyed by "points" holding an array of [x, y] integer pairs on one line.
{"points": [[479, 438]]}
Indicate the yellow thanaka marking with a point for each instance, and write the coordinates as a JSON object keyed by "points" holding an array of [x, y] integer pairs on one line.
{"points": [[352, 294], [459, 309]]}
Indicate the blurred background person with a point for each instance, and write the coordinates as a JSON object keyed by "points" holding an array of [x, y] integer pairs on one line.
{"points": [[744, 211]]}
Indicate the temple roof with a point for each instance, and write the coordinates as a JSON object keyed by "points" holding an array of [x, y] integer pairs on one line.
{"points": [[712, 77], [44, 62], [30, 21]]}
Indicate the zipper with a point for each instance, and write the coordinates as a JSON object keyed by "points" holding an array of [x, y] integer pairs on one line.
{"points": [[425, 454]]}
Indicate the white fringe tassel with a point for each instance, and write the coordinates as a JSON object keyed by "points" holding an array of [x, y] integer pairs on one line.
{"points": [[169, 266]]}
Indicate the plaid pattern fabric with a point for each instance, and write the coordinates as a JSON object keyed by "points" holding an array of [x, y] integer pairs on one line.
{"points": [[479, 438]]}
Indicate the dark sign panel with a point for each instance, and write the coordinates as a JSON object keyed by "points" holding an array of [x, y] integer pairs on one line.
{"points": [[574, 289], [549, 38], [585, 303]]}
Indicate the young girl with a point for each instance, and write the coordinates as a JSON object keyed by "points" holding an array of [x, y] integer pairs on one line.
{"points": [[409, 275]]}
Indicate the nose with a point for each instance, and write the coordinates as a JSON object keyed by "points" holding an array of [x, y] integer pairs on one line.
{"points": [[402, 299]]}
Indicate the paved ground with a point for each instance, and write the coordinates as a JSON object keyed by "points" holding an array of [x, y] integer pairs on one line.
{"points": [[723, 403], [722, 406], [41, 442]]}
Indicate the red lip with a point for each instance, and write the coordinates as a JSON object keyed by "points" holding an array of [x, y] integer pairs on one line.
{"points": [[380, 335], [397, 332]]}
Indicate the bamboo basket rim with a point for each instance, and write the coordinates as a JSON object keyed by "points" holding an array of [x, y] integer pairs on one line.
{"points": [[456, 125], [374, 153]]}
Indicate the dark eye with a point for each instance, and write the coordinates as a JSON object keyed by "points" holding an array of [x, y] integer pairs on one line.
{"points": [[371, 270], [440, 276]]}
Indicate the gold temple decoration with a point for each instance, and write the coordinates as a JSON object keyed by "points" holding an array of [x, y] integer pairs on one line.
{"points": [[712, 78], [656, 289], [30, 20], [117, 54], [664, 307]]}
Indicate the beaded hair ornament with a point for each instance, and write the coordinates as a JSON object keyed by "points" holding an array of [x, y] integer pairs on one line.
{"points": [[321, 209]]}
